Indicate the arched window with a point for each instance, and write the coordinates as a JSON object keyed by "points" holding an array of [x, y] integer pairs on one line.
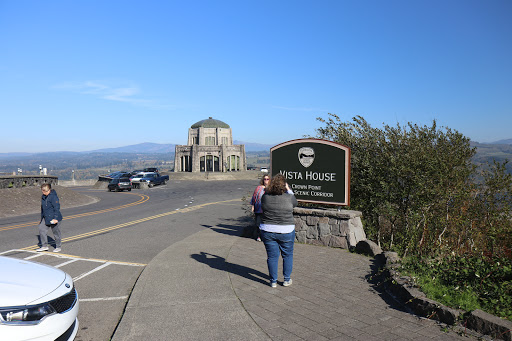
{"points": [[209, 163], [233, 163], [186, 165]]}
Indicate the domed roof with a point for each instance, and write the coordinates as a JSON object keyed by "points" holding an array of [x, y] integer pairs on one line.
{"points": [[210, 123]]}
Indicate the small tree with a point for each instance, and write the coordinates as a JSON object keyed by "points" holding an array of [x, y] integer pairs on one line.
{"points": [[409, 181]]}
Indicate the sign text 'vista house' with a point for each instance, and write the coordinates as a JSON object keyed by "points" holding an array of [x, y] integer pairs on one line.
{"points": [[318, 171]]}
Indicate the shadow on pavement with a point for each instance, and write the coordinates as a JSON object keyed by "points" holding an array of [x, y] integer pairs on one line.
{"points": [[217, 262], [377, 280], [231, 230], [241, 226]]}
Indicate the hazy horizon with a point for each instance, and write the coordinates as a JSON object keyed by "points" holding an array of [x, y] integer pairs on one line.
{"points": [[142, 143]]}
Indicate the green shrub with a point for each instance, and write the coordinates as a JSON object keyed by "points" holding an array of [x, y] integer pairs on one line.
{"points": [[417, 190], [467, 283], [422, 196]]}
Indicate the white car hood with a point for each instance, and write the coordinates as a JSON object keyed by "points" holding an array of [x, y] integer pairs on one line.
{"points": [[23, 282]]}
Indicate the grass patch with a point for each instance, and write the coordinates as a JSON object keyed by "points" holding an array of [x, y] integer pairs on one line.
{"points": [[466, 283]]}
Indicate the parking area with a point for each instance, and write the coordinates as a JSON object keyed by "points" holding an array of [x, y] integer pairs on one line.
{"points": [[103, 287]]}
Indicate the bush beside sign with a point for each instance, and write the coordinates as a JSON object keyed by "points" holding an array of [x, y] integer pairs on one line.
{"points": [[318, 171]]}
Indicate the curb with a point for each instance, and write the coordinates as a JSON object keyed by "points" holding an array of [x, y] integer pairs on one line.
{"points": [[403, 289]]}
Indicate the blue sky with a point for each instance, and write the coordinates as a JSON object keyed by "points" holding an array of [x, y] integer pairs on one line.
{"points": [[83, 75]]}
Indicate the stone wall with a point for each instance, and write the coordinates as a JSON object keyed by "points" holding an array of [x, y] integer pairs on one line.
{"points": [[19, 181], [328, 227], [76, 183]]}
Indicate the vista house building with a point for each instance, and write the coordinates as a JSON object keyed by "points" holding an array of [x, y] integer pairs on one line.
{"points": [[210, 148]]}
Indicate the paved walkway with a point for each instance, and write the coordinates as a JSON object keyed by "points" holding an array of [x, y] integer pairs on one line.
{"points": [[214, 286]]}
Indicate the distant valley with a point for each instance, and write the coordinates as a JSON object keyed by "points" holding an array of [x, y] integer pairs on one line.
{"points": [[88, 165], [146, 147], [486, 152]]}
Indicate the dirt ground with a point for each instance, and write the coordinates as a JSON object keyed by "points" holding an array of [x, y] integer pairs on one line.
{"points": [[27, 200]]}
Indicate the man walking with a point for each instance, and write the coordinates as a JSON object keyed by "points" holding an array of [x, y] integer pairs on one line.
{"points": [[50, 218]]}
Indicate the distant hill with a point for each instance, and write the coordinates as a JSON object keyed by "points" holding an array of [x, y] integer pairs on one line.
{"points": [[136, 156], [486, 153], [147, 154], [507, 141], [146, 147], [16, 156], [254, 147], [10, 155]]}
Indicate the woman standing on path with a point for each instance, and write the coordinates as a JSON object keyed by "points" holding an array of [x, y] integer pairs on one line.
{"points": [[50, 218], [256, 202], [278, 227]]}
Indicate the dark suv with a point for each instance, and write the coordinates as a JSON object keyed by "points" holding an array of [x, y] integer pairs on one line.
{"points": [[119, 185], [118, 175], [151, 169]]}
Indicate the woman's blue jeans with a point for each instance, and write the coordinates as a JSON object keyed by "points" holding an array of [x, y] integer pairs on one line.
{"points": [[276, 243]]}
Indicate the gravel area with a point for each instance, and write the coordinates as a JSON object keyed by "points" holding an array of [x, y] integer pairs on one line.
{"points": [[27, 200]]}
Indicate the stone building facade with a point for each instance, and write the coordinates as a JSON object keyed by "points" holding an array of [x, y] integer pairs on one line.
{"points": [[210, 148]]}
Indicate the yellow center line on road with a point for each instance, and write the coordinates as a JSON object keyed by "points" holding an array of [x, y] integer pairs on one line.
{"points": [[143, 199], [115, 227]]}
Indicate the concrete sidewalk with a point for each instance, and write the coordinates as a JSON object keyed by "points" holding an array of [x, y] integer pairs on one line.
{"points": [[213, 285]]}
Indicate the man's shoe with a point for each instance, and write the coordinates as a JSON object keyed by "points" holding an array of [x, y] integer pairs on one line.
{"points": [[287, 283], [44, 248], [57, 249], [273, 284]]}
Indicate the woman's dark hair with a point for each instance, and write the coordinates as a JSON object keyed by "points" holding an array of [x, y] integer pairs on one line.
{"points": [[277, 185]]}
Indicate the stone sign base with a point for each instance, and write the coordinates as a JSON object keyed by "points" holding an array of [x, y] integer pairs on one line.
{"points": [[328, 227]]}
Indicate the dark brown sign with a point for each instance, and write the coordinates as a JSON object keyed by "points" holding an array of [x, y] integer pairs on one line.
{"points": [[318, 171]]}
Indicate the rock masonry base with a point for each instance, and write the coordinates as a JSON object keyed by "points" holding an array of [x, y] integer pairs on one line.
{"points": [[328, 227]]}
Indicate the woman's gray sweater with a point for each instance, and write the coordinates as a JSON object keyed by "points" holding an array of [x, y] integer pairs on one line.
{"points": [[278, 209]]}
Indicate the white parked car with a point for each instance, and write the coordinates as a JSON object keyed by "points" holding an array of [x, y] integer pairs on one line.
{"points": [[136, 178], [264, 169], [37, 302]]}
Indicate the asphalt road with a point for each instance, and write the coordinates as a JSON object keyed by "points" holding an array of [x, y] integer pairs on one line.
{"points": [[106, 245]]}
